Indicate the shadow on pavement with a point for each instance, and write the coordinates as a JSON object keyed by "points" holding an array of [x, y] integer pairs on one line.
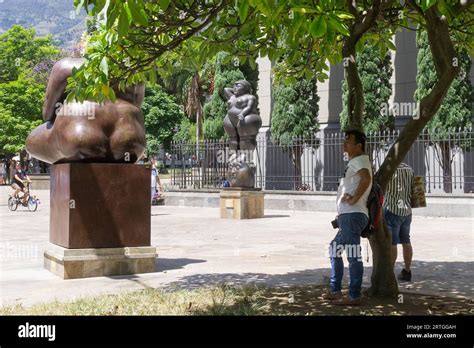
{"points": [[170, 264], [452, 279]]}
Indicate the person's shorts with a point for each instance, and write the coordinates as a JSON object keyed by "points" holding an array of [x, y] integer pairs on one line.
{"points": [[19, 184], [399, 227]]}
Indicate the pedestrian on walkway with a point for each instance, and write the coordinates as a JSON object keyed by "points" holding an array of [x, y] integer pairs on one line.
{"points": [[154, 179], [3, 172], [397, 213], [352, 218]]}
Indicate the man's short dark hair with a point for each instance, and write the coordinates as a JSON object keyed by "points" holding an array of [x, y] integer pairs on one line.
{"points": [[359, 137]]}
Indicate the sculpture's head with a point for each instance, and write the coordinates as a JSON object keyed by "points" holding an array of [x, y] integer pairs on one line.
{"points": [[239, 173], [242, 87]]}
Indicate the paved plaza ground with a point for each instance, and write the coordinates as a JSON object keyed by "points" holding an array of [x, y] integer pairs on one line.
{"points": [[197, 248]]}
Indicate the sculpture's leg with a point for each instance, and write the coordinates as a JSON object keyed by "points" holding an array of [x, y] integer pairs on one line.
{"points": [[41, 143], [248, 132], [232, 132], [127, 143]]}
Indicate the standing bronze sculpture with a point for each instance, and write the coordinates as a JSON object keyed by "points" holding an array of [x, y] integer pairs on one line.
{"points": [[88, 132], [241, 123]]}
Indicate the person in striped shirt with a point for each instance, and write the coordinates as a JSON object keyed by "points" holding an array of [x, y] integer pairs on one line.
{"points": [[397, 213]]}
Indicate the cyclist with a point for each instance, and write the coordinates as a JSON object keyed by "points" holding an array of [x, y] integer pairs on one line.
{"points": [[19, 179]]}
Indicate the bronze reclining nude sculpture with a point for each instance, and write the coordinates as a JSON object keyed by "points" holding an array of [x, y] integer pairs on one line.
{"points": [[88, 132]]}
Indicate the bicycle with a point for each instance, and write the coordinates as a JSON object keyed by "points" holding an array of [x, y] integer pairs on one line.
{"points": [[31, 202]]}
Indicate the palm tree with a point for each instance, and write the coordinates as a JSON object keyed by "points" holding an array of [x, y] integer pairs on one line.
{"points": [[193, 105]]}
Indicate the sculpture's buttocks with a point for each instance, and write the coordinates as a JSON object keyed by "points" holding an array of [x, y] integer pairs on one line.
{"points": [[88, 132]]}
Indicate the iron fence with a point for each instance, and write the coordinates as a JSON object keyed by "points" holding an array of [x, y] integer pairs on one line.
{"points": [[445, 159]]}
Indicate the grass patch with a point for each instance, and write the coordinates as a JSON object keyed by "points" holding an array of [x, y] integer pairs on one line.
{"points": [[251, 300]]}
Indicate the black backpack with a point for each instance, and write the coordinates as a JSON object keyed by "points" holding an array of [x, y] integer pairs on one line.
{"points": [[374, 205]]}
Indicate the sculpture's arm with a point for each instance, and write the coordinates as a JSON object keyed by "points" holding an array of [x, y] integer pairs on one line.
{"points": [[250, 105], [228, 92], [55, 92]]}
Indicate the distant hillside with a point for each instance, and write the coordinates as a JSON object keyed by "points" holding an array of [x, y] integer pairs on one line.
{"points": [[56, 17]]}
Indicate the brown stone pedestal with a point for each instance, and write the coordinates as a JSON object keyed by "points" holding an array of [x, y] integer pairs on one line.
{"points": [[100, 220], [241, 203], [85, 263]]}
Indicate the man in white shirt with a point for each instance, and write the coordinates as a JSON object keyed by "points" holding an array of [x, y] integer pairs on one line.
{"points": [[353, 217]]}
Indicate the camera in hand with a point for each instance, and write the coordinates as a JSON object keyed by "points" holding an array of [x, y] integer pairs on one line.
{"points": [[334, 223]]}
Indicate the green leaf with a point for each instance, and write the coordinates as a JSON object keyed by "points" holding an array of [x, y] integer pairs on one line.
{"points": [[152, 76], [113, 13], [138, 14], [104, 66], [127, 10], [391, 45], [343, 15], [426, 4], [252, 63], [303, 9], [318, 27], [336, 23], [99, 6], [79, 5], [123, 24], [105, 90], [243, 9], [111, 95], [164, 4], [444, 9]]}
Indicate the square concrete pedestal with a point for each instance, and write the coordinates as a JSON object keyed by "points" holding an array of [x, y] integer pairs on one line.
{"points": [[241, 203], [85, 263], [100, 220]]}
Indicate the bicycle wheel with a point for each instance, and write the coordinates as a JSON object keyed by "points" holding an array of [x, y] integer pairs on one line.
{"points": [[32, 204], [12, 204]]}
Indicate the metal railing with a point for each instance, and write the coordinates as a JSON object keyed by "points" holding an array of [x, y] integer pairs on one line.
{"points": [[444, 158]]}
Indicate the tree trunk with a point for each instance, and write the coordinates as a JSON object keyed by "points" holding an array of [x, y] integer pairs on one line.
{"points": [[198, 130], [446, 165], [383, 282], [443, 55], [296, 151], [355, 95]]}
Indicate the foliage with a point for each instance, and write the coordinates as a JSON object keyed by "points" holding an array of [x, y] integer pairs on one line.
{"points": [[295, 111], [456, 108], [23, 97], [13, 131], [214, 128], [22, 84], [162, 114], [20, 50], [186, 132], [375, 72], [246, 29]]}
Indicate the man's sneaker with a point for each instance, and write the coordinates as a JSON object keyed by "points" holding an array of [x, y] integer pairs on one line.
{"points": [[405, 275]]}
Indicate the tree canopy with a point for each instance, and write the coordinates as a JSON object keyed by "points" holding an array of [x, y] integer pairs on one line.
{"points": [[456, 110], [162, 114], [375, 73], [24, 59], [295, 111]]}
